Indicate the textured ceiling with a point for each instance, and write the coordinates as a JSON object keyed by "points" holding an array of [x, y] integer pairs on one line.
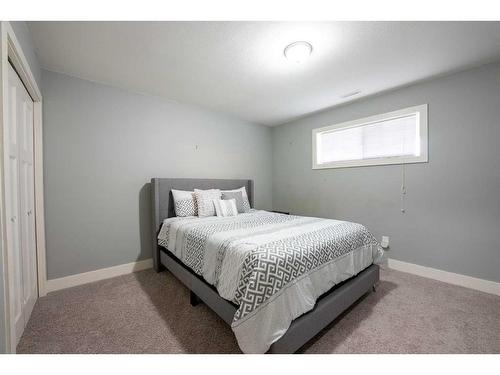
{"points": [[239, 67]]}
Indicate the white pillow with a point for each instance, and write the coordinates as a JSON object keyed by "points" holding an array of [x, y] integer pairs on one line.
{"points": [[246, 203], [205, 201], [184, 203], [225, 207]]}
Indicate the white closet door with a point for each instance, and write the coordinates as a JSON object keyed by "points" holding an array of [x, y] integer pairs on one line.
{"points": [[12, 202], [27, 201], [20, 201]]}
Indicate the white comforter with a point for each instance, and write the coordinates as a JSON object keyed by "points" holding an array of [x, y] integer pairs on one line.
{"points": [[273, 266]]}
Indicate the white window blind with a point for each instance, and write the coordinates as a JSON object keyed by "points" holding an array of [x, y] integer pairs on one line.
{"points": [[391, 138]]}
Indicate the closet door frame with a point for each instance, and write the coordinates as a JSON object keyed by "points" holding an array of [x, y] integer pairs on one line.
{"points": [[10, 50]]}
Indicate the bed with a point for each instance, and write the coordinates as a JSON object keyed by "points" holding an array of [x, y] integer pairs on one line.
{"points": [[276, 279]]}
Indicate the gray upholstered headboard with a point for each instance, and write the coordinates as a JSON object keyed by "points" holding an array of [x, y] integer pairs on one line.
{"points": [[163, 204]]}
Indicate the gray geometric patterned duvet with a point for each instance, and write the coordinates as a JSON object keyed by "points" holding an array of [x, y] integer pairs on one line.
{"points": [[273, 266]]}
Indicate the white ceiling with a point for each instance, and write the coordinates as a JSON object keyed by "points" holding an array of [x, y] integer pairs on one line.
{"points": [[239, 67]]}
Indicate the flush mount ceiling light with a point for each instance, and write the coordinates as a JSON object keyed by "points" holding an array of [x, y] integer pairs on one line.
{"points": [[298, 51]]}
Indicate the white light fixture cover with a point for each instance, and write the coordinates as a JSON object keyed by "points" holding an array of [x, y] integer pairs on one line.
{"points": [[349, 94], [298, 51]]}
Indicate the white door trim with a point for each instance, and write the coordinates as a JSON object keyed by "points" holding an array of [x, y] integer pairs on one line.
{"points": [[10, 49]]}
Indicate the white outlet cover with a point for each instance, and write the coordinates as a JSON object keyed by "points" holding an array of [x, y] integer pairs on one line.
{"points": [[385, 242]]}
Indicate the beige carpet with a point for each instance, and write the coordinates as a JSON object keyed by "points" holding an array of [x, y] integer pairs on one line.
{"points": [[150, 313]]}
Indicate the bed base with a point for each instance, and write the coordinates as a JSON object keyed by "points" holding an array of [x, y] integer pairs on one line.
{"points": [[328, 307], [199, 287]]}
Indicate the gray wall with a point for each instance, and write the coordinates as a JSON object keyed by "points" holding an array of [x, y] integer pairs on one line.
{"points": [[24, 37], [102, 145], [452, 219]]}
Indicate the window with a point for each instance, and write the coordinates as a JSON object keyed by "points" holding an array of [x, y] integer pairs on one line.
{"points": [[397, 137]]}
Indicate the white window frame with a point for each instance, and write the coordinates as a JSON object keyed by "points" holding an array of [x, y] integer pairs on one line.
{"points": [[420, 110]]}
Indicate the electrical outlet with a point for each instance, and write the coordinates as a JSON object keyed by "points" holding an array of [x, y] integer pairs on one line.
{"points": [[385, 242]]}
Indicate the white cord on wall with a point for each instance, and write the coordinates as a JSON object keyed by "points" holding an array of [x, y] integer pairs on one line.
{"points": [[403, 187]]}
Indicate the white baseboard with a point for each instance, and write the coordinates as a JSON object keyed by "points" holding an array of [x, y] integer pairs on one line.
{"points": [[415, 269], [104, 273], [445, 276]]}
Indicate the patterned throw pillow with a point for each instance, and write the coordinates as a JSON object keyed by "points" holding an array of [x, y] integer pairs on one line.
{"points": [[246, 203], [238, 197], [205, 201], [184, 203], [225, 207]]}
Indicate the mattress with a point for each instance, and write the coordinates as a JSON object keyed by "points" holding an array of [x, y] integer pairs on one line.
{"points": [[273, 266]]}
